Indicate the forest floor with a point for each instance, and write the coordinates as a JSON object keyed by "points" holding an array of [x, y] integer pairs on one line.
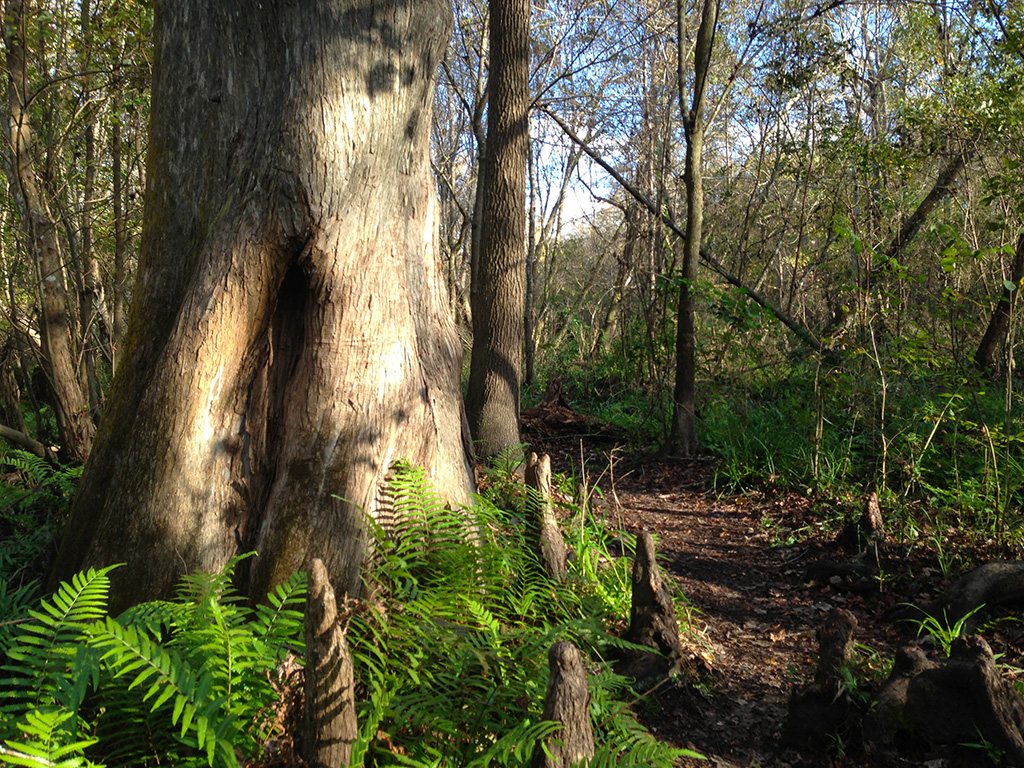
{"points": [[741, 561]]}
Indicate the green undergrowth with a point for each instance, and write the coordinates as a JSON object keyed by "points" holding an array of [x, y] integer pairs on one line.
{"points": [[184, 682], [942, 446], [450, 651], [456, 669], [34, 499]]}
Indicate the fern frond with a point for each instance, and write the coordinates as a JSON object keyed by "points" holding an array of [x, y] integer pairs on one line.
{"points": [[43, 486], [46, 645], [517, 745], [15, 603], [34, 468], [46, 743], [639, 750], [279, 621], [163, 678], [155, 617], [203, 589]]}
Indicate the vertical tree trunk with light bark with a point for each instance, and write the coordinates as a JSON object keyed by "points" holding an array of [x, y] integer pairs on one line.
{"points": [[497, 291], [118, 314], [71, 406], [289, 337]]}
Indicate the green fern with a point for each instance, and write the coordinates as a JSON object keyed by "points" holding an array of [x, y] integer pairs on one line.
{"points": [[48, 747], [455, 659], [279, 621], [167, 681], [15, 604], [33, 496], [49, 670], [45, 647], [180, 682], [158, 617], [42, 484], [35, 469]]}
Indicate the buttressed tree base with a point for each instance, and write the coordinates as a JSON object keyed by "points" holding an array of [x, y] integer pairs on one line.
{"points": [[288, 337]]}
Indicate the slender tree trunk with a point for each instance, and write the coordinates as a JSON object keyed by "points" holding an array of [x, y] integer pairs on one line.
{"points": [[118, 320], [97, 324], [70, 403], [623, 269], [529, 320], [995, 333], [755, 295], [480, 136], [10, 365], [289, 337], [682, 439], [911, 225], [496, 365]]}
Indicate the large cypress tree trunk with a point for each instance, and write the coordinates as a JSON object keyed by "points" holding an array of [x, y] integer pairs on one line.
{"points": [[497, 294], [288, 337]]}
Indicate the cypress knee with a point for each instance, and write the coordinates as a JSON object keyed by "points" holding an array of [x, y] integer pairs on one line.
{"points": [[567, 702], [330, 715]]}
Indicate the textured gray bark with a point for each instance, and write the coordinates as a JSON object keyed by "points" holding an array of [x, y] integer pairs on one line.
{"points": [[118, 319], [289, 336], [498, 279]]}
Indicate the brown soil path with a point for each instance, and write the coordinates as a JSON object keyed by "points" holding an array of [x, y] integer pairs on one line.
{"points": [[757, 613], [741, 562], [751, 610]]}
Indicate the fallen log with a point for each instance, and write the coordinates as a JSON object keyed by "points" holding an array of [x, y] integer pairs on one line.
{"points": [[998, 583]]}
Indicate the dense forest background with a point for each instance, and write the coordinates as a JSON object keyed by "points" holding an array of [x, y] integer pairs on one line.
{"points": [[860, 261], [855, 327], [856, 314], [862, 209], [861, 219]]}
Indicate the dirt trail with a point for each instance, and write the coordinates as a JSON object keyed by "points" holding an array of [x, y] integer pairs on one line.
{"points": [[742, 563], [759, 614], [758, 642], [757, 622], [755, 610]]}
